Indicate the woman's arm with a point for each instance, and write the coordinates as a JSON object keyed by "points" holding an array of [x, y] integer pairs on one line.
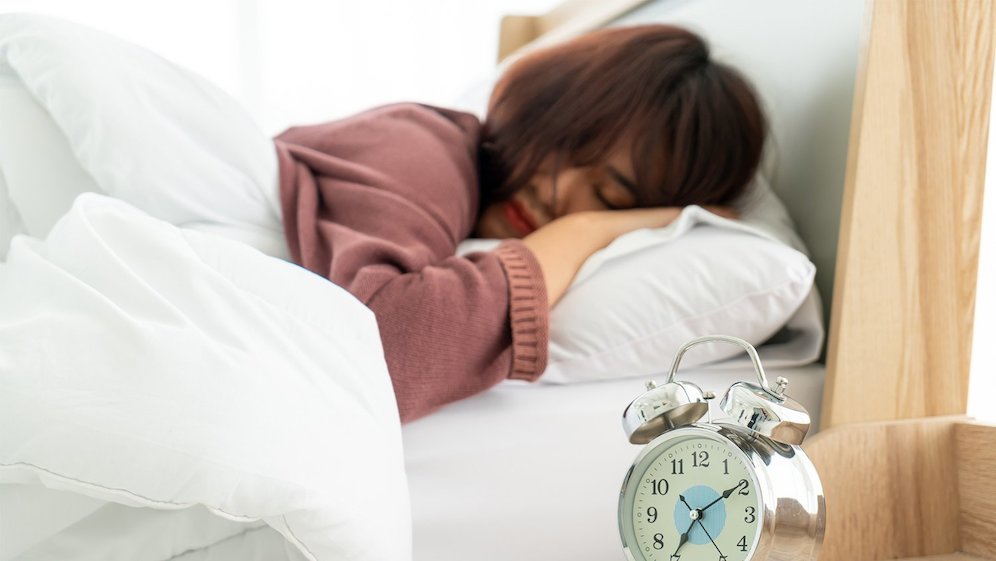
{"points": [[377, 204], [562, 246]]}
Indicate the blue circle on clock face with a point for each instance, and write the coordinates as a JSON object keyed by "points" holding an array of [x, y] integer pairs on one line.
{"points": [[713, 519]]}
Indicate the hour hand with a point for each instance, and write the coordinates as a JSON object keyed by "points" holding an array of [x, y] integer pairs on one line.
{"points": [[682, 497], [681, 541]]}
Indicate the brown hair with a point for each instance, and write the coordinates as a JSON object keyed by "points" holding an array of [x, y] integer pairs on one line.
{"points": [[695, 125]]}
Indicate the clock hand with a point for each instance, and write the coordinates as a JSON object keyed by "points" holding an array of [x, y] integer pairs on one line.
{"points": [[682, 497], [693, 513], [696, 516], [721, 556], [683, 538], [726, 494]]}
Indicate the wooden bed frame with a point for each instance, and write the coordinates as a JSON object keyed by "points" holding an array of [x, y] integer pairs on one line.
{"points": [[906, 474]]}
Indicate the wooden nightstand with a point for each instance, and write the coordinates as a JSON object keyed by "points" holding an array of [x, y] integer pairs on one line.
{"points": [[908, 489]]}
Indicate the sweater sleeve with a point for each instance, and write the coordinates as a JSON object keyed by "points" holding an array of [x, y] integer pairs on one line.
{"points": [[456, 328], [377, 204]]}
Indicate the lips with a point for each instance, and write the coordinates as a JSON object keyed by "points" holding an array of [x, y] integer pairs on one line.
{"points": [[518, 217]]}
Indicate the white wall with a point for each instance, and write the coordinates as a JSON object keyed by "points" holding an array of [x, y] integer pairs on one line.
{"points": [[302, 61]]}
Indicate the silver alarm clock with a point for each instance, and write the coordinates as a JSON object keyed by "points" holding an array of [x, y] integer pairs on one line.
{"points": [[731, 490]]}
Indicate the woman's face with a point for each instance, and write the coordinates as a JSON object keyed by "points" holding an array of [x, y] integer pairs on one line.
{"points": [[552, 193]]}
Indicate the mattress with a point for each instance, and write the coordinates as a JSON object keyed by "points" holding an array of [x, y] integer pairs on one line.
{"points": [[533, 471]]}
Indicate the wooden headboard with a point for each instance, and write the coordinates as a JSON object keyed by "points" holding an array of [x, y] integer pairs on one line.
{"points": [[905, 474]]}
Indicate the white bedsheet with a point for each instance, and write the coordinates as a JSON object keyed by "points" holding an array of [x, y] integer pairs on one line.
{"points": [[533, 472]]}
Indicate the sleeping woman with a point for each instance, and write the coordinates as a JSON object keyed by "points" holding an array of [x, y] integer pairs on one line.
{"points": [[606, 134]]}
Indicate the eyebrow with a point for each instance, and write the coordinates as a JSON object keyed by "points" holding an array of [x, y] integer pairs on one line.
{"points": [[622, 179]]}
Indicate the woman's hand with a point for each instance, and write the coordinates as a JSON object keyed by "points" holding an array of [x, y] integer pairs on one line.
{"points": [[563, 245]]}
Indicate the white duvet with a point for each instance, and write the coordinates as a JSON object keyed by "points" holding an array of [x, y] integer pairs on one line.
{"points": [[166, 393], [148, 366]]}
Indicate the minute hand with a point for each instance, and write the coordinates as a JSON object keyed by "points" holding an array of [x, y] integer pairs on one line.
{"points": [[726, 494]]}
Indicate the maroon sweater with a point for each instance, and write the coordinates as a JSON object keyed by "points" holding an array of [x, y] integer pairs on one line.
{"points": [[377, 203]]}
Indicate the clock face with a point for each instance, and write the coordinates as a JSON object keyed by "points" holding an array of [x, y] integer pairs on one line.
{"points": [[693, 497]]}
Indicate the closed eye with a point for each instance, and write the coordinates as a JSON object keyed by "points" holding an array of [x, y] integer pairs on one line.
{"points": [[618, 194], [609, 205], [622, 179]]}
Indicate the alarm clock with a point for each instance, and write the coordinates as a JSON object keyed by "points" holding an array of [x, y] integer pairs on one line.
{"points": [[736, 489]]}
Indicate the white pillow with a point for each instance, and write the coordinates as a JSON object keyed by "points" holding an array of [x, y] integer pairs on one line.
{"points": [[634, 303], [10, 219], [41, 171], [150, 366], [129, 123]]}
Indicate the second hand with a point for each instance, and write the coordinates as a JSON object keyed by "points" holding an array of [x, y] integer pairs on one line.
{"points": [[721, 556]]}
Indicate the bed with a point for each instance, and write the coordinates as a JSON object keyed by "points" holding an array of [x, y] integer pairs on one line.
{"points": [[478, 471], [488, 438]]}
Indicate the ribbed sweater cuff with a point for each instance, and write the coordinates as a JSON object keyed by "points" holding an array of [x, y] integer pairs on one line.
{"points": [[529, 311]]}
